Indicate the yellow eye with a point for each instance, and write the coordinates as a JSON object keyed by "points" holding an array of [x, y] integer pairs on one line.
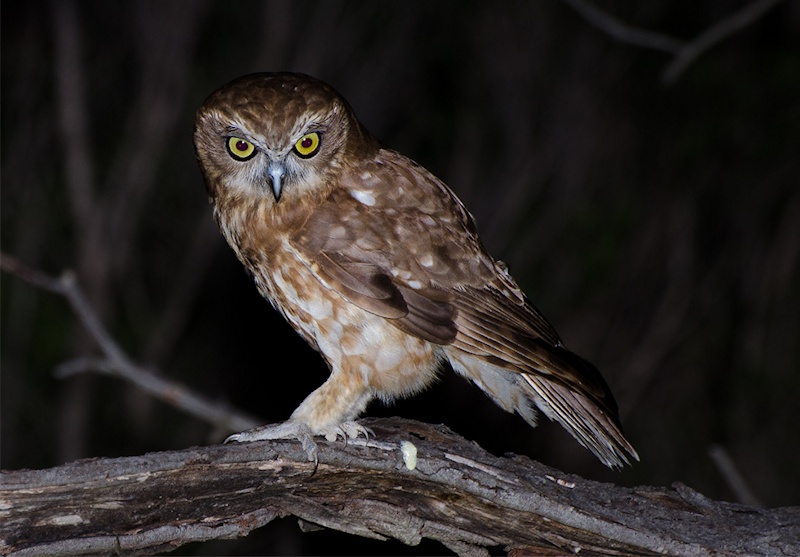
{"points": [[240, 149], [308, 145]]}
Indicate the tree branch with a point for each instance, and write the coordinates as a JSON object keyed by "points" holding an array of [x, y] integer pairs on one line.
{"points": [[713, 35], [623, 32], [453, 492], [414, 481], [116, 363], [684, 52]]}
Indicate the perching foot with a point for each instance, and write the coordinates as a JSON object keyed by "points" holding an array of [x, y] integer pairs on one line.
{"points": [[292, 429], [287, 430]]}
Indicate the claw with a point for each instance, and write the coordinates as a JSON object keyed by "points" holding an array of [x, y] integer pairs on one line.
{"points": [[354, 429], [310, 447]]}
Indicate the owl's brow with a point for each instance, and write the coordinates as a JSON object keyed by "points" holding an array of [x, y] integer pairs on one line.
{"points": [[239, 130], [315, 126], [321, 117], [310, 125]]}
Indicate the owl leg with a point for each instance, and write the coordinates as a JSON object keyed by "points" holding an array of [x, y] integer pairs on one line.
{"points": [[329, 411]]}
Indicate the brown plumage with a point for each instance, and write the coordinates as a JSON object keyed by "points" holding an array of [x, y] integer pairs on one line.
{"points": [[378, 265]]}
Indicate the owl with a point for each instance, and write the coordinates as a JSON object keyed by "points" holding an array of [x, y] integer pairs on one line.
{"points": [[377, 264]]}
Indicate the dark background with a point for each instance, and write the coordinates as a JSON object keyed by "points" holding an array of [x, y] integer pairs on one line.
{"points": [[656, 225]]}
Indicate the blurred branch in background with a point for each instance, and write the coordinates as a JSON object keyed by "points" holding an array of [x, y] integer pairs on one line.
{"points": [[728, 469], [117, 364], [684, 52], [623, 32], [106, 209], [713, 35]]}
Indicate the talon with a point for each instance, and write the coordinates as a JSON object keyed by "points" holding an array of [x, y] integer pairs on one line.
{"points": [[310, 447], [354, 430], [230, 438]]}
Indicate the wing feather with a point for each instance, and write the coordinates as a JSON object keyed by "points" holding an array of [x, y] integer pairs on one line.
{"points": [[363, 284], [412, 255]]}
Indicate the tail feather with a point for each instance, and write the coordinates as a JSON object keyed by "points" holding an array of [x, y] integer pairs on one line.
{"points": [[590, 425]]}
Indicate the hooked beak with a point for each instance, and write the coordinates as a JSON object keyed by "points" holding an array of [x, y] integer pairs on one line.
{"points": [[276, 170]]}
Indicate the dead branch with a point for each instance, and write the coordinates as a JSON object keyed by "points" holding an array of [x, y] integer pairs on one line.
{"points": [[451, 491], [116, 362], [414, 481], [713, 35], [623, 32], [684, 52]]}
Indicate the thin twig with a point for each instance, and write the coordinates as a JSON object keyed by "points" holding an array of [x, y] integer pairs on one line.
{"points": [[171, 392], [116, 363], [32, 276], [712, 36], [685, 52], [625, 33]]}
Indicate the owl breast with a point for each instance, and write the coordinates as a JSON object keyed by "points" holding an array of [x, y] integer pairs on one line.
{"points": [[367, 347]]}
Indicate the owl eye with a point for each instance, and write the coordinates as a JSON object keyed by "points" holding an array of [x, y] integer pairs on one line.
{"points": [[240, 149], [308, 145]]}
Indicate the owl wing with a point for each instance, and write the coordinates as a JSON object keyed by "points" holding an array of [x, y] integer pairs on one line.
{"points": [[397, 242], [391, 241]]}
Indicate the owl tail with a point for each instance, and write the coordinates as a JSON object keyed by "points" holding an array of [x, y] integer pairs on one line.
{"points": [[591, 426], [594, 425]]}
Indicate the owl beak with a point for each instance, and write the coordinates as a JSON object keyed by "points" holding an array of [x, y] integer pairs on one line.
{"points": [[276, 170]]}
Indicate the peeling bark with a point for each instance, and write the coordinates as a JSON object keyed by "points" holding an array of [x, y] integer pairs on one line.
{"points": [[458, 494]]}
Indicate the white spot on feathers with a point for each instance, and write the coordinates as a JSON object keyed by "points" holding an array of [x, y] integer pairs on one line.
{"points": [[363, 197]]}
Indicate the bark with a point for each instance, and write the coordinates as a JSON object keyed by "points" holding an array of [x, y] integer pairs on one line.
{"points": [[457, 493]]}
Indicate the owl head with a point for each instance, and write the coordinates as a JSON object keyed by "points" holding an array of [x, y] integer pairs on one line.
{"points": [[276, 135]]}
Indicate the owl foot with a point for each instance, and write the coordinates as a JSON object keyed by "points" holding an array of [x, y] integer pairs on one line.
{"points": [[289, 429], [292, 429]]}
